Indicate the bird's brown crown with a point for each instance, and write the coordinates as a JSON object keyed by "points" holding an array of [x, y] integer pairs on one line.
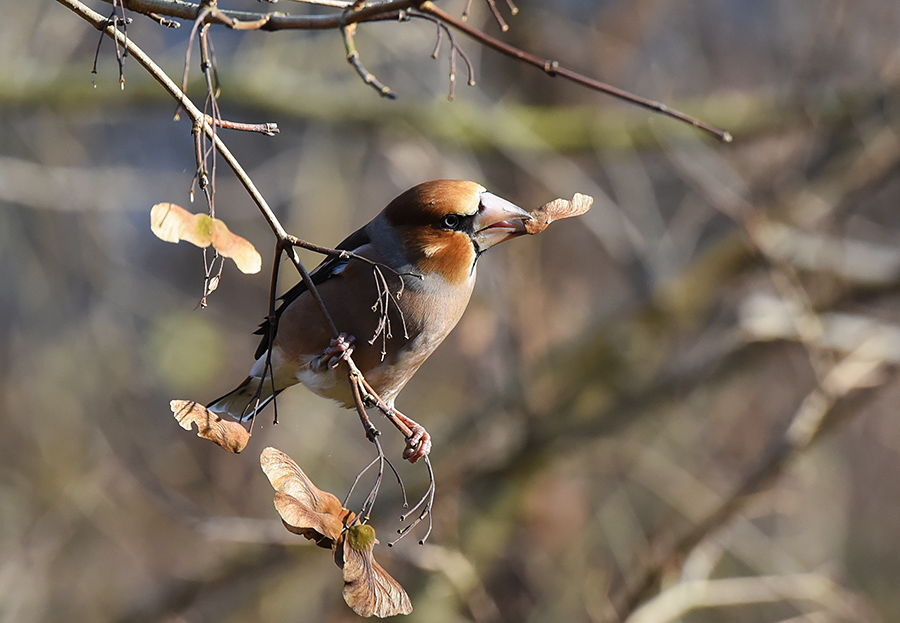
{"points": [[427, 203], [418, 215]]}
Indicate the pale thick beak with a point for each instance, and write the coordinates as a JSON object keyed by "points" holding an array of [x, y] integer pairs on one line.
{"points": [[498, 220]]}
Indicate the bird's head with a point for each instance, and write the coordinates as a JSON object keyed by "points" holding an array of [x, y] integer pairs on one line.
{"points": [[444, 225]]}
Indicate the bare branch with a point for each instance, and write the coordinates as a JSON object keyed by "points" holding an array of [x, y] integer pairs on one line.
{"points": [[340, 4], [163, 21], [267, 21], [455, 50], [269, 129], [553, 68], [396, 9], [368, 77]]}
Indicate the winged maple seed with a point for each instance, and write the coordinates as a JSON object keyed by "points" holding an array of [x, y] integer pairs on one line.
{"points": [[304, 508], [368, 588], [227, 434], [172, 223], [319, 516], [557, 209]]}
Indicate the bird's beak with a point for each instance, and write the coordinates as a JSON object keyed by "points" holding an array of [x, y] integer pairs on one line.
{"points": [[498, 220]]}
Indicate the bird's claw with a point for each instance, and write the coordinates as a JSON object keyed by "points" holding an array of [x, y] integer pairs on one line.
{"points": [[418, 444], [340, 349]]}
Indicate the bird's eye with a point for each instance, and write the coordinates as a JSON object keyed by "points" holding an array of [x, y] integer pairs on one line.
{"points": [[451, 221]]}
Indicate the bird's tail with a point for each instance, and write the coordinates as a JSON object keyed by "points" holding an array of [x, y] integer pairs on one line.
{"points": [[245, 401]]}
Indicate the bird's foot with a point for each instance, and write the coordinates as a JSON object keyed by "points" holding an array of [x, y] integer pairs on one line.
{"points": [[340, 349], [418, 442]]}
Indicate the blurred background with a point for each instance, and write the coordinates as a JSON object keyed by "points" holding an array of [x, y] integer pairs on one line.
{"points": [[679, 407]]}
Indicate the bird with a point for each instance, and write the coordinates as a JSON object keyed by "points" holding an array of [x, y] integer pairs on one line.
{"points": [[401, 285]]}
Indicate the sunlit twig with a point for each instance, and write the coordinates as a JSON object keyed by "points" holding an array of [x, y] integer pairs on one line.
{"points": [[553, 68], [425, 503], [455, 50], [347, 32]]}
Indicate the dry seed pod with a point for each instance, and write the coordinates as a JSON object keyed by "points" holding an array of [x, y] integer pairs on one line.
{"points": [[368, 588], [229, 435], [172, 223], [558, 209], [304, 508]]}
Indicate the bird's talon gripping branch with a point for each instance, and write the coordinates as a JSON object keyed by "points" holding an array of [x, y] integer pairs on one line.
{"points": [[418, 442], [340, 349], [417, 449]]}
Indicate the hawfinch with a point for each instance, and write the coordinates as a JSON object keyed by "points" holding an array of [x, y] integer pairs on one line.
{"points": [[393, 311]]}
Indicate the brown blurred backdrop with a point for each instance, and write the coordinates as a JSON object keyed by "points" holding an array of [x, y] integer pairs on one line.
{"points": [[614, 382]]}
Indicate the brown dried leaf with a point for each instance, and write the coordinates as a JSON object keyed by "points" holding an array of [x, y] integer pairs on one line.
{"points": [[229, 435], [368, 588], [172, 223], [304, 508], [558, 209]]}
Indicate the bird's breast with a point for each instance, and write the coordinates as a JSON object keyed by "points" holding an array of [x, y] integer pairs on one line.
{"points": [[418, 320], [398, 317]]}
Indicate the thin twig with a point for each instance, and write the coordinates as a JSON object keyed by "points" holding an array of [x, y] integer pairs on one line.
{"points": [[269, 128], [496, 13], [466, 9], [239, 20], [553, 68], [123, 52], [187, 55], [426, 504], [210, 280], [114, 20], [372, 434], [342, 253], [339, 4], [396, 9], [356, 481], [455, 51], [383, 306], [163, 21], [347, 32], [361, 394], [272, 320]]}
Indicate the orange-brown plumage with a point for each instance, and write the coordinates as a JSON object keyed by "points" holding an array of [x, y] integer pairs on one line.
{"points": [[424, 246], [431, 248]]}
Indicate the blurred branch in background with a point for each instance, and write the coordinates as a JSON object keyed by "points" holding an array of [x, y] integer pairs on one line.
{"points": [[825, 596], [683, 408]]}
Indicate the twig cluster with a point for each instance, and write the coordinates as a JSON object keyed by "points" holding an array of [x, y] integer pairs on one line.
{"points": [[400, 10]]}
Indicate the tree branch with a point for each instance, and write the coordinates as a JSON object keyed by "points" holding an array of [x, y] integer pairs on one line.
{"points": [[396, 9], [553, 68], [274, 20]]}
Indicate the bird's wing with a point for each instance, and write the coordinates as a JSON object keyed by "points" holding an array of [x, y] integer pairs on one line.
{"points": [[330, 267]]}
